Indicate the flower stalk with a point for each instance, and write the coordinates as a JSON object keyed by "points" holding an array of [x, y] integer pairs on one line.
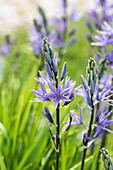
{"points": [[57, 131], [57, 136], [89, 133], [58, 91], [89, 86]]}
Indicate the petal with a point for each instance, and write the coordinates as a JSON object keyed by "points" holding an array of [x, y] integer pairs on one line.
{"points": [[67, 90], [107, 123], [60, 87], [72, 123], [105, 117], [104, 91], [52, 88], [103, 43], [64, 98], [43, 88], [66, 85], [75, 89], [76, 118], [40, 73], [36, 79], [37, 100], [56, 102], [98, 131], [50, 95], [80, 111], [108, 130], [105, 101], [38, 94]]}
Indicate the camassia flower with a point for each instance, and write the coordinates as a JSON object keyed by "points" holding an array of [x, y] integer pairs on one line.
{"points": [[103, 96], [76, 117], [41, 94], [102, 124], [109, 57], [105, 36], [102, 12], [68, 83], [57, 94], [54, 88]]}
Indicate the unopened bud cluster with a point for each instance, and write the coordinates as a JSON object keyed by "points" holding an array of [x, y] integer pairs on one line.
{"points": [[50, 62], [91, 74], [106, 159]]}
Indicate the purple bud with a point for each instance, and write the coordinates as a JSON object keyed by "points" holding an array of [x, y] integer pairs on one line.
{"points": [[47, 114], [67, 128], [71, 97], [64, 71], [48, 69], [85, 139], [73, 41], [72, 32], [88, 36]]}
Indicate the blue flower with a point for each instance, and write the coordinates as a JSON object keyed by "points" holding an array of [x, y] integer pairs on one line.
{"points": [[102, 96], [105, 37], [98, 18], [102, 123], [76, 117], [68, 83], [44, 80], [41, 94], [58, 94], [69, 124]]}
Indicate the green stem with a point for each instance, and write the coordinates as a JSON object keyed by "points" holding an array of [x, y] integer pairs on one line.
{"points": [[57, 137], [57, 131], [89, 133]]}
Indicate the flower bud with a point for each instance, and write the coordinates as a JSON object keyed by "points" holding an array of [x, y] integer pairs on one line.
{"points": [[64, 71], [84, 83], [51, 52], [108, 165], [54, 67], [47, 57], [48, 69]]}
